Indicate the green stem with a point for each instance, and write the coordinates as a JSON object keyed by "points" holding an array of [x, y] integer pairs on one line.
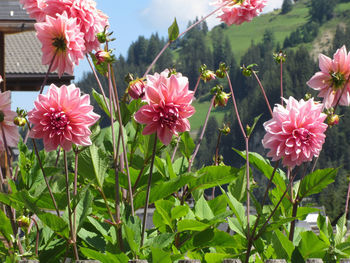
{"points": [[72, 236], [148, 191]]}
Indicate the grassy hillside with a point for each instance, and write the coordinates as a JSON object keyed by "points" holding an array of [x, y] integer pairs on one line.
{"points": [[281, 25]]}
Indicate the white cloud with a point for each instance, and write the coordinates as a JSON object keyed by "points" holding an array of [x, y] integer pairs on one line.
{"points": [[160, 13]]}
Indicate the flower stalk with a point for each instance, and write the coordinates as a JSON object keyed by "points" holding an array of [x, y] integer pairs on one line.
{"points": [[144, 220]]}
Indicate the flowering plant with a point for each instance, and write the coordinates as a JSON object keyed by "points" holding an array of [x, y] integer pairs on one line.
{"points": [[87, 204]]}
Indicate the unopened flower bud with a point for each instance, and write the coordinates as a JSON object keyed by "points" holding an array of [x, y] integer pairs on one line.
{"points": [[333, 120], [225, 130], [103, 56], [102, 37], [2, 116], [136, 89], [23, 221], [280, 57], [223, 67], [172, 71], [128, 78], [208, 75], [221, 99], [19, 121], [220, 74], [1, 80], [307, 96]]}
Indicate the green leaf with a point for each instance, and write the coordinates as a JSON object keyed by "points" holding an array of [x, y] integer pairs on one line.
{"points": [[340, 230], [160, 256], [5, 226], [187, 145], [203, 210], [218, 205], [211, 176], [283, 247], [193, 225], [84, 208], [104, 258], [237, 208], [235, 226], [311, 246], [100, 101], [264, 166], [162, 190], [251, 129], [164, 209], [57, 224], [173, 31], [92, 238], [169, 164], [314, 183], [102, 68], [93, 163], [216, 257], [162, 240], [179, 211]]}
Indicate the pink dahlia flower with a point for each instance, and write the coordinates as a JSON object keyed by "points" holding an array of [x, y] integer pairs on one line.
{"points": [[239, 11], [295, 132], [6, 121], [35, 9], [332, 80], [61, 36], [168, 106], [90, 20], [62, 117]]}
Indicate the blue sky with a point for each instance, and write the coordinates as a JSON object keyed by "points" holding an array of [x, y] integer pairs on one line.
{"points": [[132, 18]]}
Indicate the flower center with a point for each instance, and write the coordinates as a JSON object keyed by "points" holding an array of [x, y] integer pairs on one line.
{"points": [[168, 116], [338, 80], [301, 135], [58, 120], [59, 43]]}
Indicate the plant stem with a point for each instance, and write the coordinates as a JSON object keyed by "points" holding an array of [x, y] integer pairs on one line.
{"points": [[201, 136], [235, 105], [116, 100], [7, 152], [292, 225], [281, 73], [216, 162], [148, 191], [180, 35], [178, 140], [47, 73], [45, 178], [98, 81], [37, 236], [75, 191], [72, 236], [347, 201], [273, 211], [263, 92]]}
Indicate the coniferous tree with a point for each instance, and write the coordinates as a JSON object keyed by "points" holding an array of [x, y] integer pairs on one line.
{"points": [[287, 6]]}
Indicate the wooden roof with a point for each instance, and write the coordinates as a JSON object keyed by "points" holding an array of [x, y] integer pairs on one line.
{"points": [[13, 18], [20, 51]]}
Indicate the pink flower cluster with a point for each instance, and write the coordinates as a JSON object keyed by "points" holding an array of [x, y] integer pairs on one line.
{"points": [[6, 121], [296, 132], [62, 117], [333, 80], [72, 26], [168, 106], [239, 11]]}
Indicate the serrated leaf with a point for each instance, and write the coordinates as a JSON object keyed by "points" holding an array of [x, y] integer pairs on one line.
{"points": [[314, 183], [193, 225], [203, 210], [173, 31], [93, 163]]}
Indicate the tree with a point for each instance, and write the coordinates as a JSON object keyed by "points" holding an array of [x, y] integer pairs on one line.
{"points": [[321, 10], [287, 6]]}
